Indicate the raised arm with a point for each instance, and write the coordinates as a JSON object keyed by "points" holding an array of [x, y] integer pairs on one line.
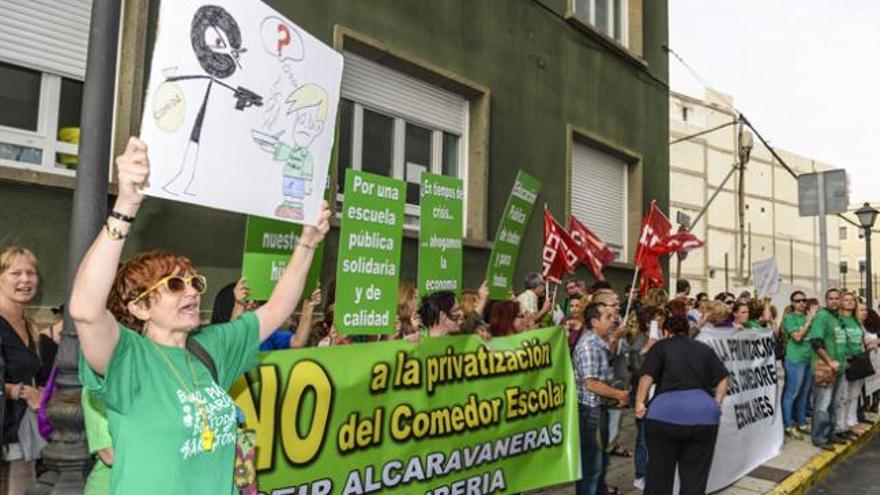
{"points": [[304, 327], [289, 288], [97, 328]]}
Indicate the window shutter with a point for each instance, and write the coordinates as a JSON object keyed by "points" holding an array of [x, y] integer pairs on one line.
{"points": [[385, 89], [598, 194], [47, 35]]}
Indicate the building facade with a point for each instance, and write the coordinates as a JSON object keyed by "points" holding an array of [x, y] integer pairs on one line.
{"points": [[771, 225], [852, 268], [574, 92]]}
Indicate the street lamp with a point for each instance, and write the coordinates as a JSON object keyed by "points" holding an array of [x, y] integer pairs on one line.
{"points": [[867, 216]]}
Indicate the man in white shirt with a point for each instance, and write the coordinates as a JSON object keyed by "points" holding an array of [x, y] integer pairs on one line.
{"points": [[528, 300]]}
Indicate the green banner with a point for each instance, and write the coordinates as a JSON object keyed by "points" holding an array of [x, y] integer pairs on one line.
{"points": [[502, 261], [440, 231], [451, 415], [368, 266], [268, 244]]}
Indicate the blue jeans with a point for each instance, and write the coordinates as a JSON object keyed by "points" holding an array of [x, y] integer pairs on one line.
{"points": [[641, 456], [798, 380], [594, 443], [826, 399]]}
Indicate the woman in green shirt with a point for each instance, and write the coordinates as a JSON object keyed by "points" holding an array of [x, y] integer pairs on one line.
{"points": [[173, 426], [851, 338], [798, 365], [100, 444]]}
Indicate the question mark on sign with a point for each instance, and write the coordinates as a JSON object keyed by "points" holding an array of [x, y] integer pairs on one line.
{"points": [[285, 39], [281, 39]]}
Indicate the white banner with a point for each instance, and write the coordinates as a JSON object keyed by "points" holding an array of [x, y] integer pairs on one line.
{"points": [[766, 275], [872, 383], [751, 431], [240, 110]]}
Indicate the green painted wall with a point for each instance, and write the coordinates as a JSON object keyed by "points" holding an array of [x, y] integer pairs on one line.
{"points": [[543, 73]]}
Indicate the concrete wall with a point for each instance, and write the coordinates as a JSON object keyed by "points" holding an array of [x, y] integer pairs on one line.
{"points": [[697, 169]]}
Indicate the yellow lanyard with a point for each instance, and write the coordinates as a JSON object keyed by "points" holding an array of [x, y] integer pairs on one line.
{"points": [[207, 433]]}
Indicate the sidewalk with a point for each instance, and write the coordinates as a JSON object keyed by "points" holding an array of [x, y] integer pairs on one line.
{"points": [[798, 467]]}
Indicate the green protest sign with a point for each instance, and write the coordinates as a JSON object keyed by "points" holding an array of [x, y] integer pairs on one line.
{"points": [[502, 261], [268, 244], [368, 265], [440, 231], [451, 415]]}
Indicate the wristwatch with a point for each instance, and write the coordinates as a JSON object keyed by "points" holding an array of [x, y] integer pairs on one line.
{"points": [[114, 233]]}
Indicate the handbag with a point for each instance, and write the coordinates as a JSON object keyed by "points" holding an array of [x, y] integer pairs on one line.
{"points": [[823, 375], [859, 366], [244, 474], [29, 437]]}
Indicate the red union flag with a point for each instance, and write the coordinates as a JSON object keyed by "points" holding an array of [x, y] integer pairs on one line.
{"points": [[561, 253], [597, 254], [655, 227], [681, 242]]}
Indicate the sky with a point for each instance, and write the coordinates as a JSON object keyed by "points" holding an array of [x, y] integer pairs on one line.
{"points": [[805, 72]]}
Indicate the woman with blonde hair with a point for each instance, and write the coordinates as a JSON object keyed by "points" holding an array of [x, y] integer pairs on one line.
{"points": [[19, 281], [148, 360], [854, 335], [408, 321], [718, 314]]}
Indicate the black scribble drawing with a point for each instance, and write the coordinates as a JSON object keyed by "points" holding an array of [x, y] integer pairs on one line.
{"points": [[216, 42]]}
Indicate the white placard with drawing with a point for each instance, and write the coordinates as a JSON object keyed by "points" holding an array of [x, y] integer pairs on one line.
{"points": [[240, 110]]}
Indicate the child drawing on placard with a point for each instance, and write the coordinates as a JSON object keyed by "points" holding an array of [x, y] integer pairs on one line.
{"points": [[308, 107], [216, 42]]}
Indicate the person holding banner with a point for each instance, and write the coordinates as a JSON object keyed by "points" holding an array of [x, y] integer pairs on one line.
{"points": [[682, 423], [741, 314], [798, 366], [144, 360], [441, 314]]}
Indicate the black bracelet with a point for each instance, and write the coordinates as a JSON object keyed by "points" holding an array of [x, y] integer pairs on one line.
{"points": [[122, 217]]}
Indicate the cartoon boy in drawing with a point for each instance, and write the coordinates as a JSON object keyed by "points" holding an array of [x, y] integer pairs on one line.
{"points": [[308, 108]]}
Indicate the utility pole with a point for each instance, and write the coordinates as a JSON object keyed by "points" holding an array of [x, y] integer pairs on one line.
{"points": [[823, 236], [744, 145], [67, 455]]}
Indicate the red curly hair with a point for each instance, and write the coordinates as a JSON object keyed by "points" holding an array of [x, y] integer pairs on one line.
{"points": [[139, 274]]}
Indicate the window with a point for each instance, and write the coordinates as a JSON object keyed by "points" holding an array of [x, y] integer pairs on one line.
{"points": [[607, 16], [398, 126], [599, 194], [42, 63], [862, 265], [843, 232], [39, 127], [844, 267]]}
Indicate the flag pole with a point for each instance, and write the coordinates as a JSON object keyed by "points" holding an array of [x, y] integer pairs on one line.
{"points": [[629, 299]]}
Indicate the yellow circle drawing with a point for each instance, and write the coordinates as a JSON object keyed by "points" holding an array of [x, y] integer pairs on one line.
{"points": [[169, 107]]}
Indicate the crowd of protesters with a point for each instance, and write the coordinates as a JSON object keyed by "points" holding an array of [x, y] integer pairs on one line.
{"points": [[140, 321]]}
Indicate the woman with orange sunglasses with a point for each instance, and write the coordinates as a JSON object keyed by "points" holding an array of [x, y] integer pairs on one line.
{"points": [[174, 424]]}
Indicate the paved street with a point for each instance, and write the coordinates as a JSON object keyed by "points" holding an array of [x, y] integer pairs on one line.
{"points": [[857, 475]]}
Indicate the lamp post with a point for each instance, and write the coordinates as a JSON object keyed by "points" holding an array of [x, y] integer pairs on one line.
{"points": [[867, 216]]}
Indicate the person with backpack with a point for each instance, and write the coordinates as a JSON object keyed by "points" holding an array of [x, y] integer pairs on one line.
{"points": [[149, 362]]}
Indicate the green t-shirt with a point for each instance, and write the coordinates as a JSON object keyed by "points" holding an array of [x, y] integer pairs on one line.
{"points": [[753, 325], [826, 327], [854, 335], [98, 435], [796, 352], [156, 424]]}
